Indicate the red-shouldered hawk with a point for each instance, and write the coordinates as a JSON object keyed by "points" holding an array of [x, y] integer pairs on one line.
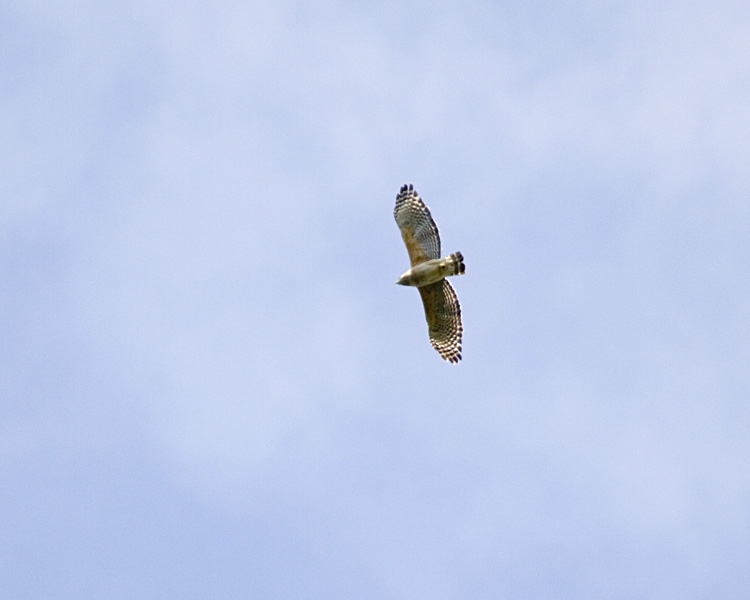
{"points": [[428, 272]]}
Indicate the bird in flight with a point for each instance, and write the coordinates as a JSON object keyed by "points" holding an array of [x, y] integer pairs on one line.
{"points": [[428, 272]]}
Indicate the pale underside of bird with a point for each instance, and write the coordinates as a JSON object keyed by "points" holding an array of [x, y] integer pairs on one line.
{"points": [[428, 272]]}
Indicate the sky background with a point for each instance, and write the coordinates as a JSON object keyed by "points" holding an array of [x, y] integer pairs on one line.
{"points": [[210, 386]]}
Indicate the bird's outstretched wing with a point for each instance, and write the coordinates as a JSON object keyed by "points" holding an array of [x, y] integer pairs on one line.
{"points": [[443, 313], [417, 227]]}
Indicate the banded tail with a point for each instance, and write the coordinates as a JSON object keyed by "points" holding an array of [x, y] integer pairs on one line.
{"points": [[457, 263]]}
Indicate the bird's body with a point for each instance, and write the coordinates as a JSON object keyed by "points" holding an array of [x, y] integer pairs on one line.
{"points": [[428, 272], [433, 270]]}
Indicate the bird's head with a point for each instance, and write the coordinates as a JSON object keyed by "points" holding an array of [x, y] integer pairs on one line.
{"points": [[405, 279]]}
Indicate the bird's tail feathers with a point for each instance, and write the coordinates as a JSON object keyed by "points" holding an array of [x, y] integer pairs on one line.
{"points": [[457, 263]]}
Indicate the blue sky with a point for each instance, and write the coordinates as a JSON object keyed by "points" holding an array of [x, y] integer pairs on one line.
{"points": [[211, 386]]}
